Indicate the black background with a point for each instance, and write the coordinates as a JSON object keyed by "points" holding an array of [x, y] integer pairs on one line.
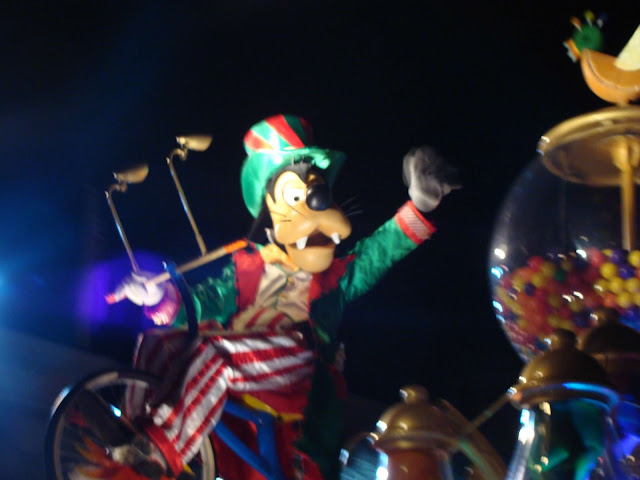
{"points": [[93, 87]]}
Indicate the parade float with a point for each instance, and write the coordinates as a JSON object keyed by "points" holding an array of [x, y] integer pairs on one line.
{"points": [[565, 278]]}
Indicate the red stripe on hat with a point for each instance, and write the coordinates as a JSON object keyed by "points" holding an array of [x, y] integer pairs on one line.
{"points": [[307, 129], [280, 125], [255, 142]]}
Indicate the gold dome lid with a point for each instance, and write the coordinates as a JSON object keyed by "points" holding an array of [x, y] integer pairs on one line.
{"points": [[561, 373], [415, 423]]}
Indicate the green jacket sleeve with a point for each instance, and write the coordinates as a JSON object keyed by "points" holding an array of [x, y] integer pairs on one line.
{"points": [[377, 253], [214, 298]]}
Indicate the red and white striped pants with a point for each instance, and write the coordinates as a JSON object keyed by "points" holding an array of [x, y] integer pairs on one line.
{"points": [[219, 364]]}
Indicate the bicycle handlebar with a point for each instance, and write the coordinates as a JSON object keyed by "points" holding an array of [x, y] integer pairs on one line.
{"points": [[112, 298]]}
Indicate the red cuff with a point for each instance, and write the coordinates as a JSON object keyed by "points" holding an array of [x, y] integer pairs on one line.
{"points": [[167, 309], [413, 223]]}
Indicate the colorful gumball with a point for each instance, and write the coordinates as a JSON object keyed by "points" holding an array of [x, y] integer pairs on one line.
{"points": [[609, 299], [626, 271], [576, 305], [554, 300], [601, 285], [554, 320], [624, 300], [581, 319], [505, 280], [542, 295], [548, 269], [538, 279], [617, 285], [560, 275], [524, 273], [609, 270], [632, 285], [591, 274], [634, 258], [518, 283], [535, 262], [567, 324], [596, 257], [530, 289], [592, 301], [618, 256]]}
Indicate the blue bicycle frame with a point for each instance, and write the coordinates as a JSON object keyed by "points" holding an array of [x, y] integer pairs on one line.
{"points": [[267, 461]]}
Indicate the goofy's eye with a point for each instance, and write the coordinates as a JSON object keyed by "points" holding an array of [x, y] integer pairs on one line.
{"points": [[293, 195]]}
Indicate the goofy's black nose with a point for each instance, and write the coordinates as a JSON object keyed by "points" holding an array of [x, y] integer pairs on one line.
{"points": [[318, 196]]}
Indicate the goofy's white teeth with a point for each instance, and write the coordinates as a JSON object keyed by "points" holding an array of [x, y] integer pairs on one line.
{"points": [[336, 238], [302, 242]]}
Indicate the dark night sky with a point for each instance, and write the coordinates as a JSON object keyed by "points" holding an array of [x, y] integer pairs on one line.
{"points": [[93, 87]]}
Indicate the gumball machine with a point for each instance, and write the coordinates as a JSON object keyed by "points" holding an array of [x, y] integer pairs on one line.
{"points": [[565, 242], [565, 249]]}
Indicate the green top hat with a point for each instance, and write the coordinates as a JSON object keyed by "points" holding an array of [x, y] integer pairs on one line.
{"points": [[274, 143]]}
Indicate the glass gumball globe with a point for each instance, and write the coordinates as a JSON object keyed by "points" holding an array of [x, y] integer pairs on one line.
{"points": [[564, 242]]}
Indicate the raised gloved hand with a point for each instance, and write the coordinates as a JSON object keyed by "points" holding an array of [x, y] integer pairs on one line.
{"points": [[429, 177], [134, 288]]}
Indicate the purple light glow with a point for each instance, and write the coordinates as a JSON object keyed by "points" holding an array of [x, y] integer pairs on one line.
{"points": [[101, 279]]}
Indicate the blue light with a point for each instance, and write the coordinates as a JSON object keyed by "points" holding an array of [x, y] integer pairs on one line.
{"points": [[497, 306], [382, 473], [497, 272], [590, 388], [116, 411]]}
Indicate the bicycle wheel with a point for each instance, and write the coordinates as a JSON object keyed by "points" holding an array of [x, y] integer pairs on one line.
{"points": [[91, 417]]}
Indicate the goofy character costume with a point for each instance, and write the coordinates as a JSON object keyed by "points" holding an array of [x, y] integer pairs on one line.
{"points": [[269, 322]]}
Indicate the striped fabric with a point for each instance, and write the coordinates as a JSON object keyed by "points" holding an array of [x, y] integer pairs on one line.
{"points": [[219, 364], [413, 223]]}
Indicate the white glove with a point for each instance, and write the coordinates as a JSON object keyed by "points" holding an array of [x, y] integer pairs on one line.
{"points": [[133, 287], [429, 177]]}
